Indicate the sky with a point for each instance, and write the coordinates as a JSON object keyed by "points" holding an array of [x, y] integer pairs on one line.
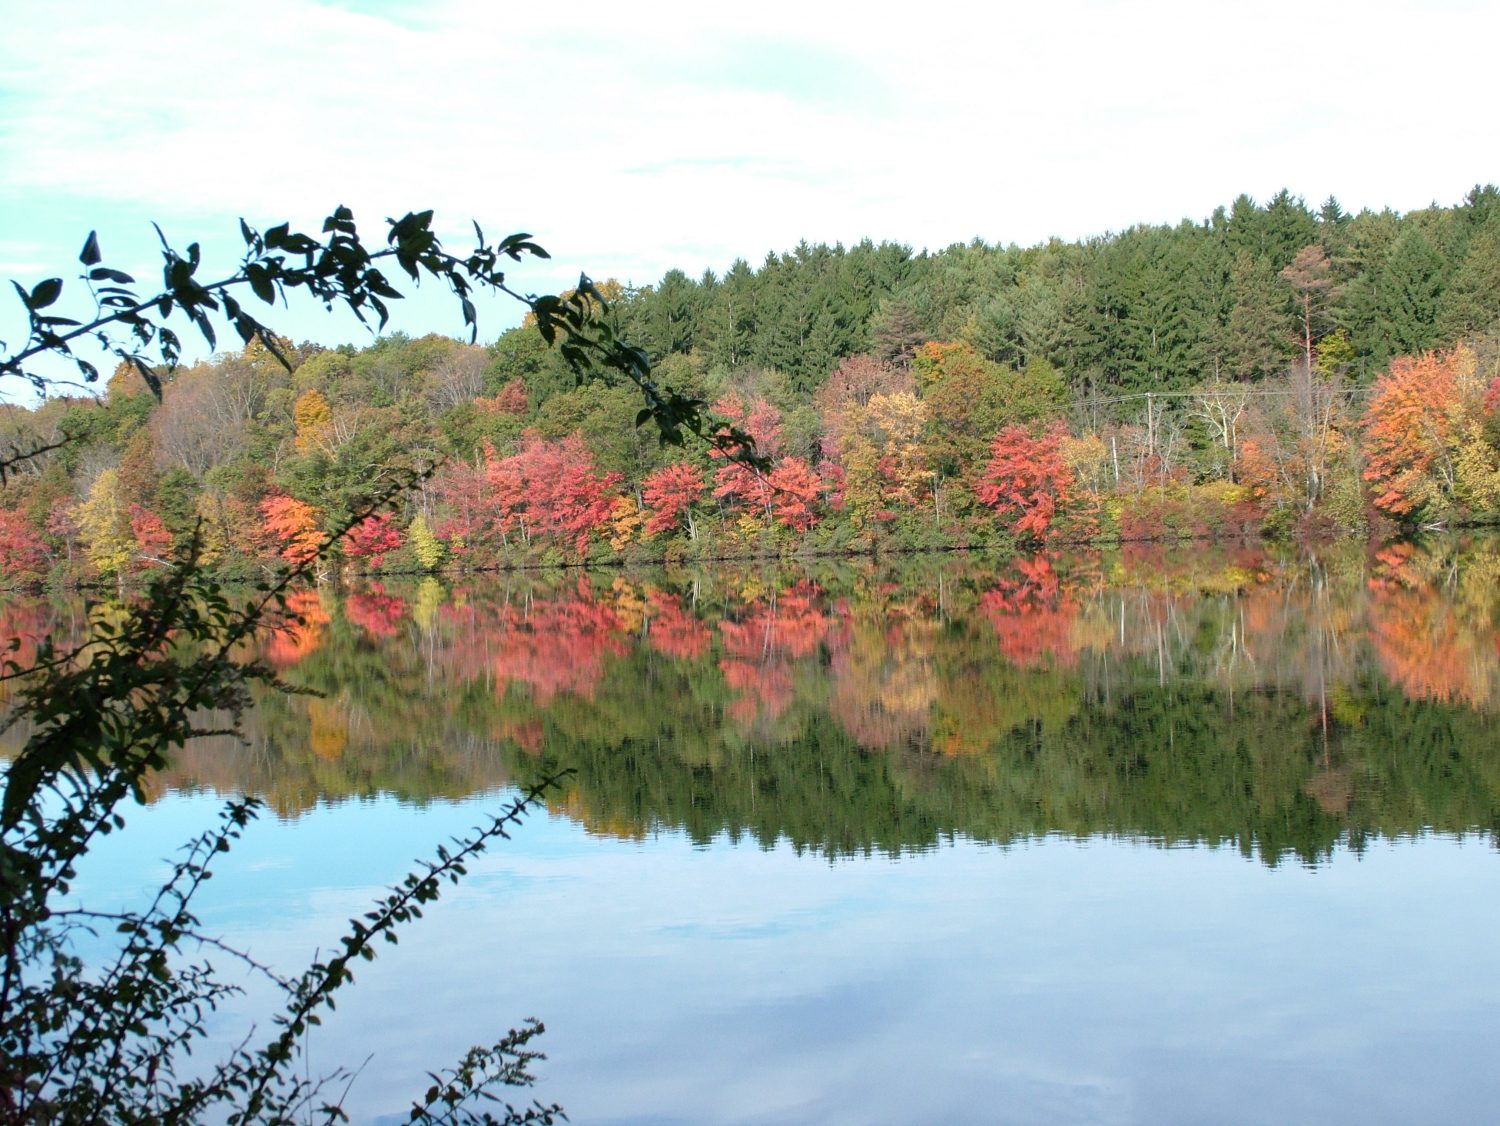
{"points": [[633, 138]]}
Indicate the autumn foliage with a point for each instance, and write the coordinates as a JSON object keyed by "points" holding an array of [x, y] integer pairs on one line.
{"points": [[670, 493], [550, 489], [301, 633], [942, 452], [733, 480], [377, 613], [293, 526], [23, 556], [555, 646], [760, 647], [673, 630], [152, 539], [1027, 480], [1032, 614], [373, 538], [1407, 425], [794, 494]]}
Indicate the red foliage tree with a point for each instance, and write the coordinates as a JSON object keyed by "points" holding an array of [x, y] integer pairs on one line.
{"points": [[734, 481], [507, 490], [468, 517], [670, 493], [152, 540], [1027, 478], [23, 556], [373, 538], [568, 498], [546, 489], [63, 530], [794, 494], [549, 489]]}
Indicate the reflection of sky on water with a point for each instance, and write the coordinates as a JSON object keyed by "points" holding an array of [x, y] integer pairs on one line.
{"points": [[1102, 980]]}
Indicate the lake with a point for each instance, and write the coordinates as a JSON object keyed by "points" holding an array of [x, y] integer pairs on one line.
{"points": [[1184, 835]]}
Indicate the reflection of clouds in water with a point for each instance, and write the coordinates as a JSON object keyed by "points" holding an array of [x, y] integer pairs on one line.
{"points": [[1061, 980], [278, 864]]}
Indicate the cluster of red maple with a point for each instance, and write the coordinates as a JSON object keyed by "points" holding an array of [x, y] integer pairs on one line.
{"points": [[945, 449]]}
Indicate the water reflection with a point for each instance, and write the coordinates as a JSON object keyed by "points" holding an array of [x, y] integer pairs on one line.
{"points": [[1034, 781], [1277, 705]]}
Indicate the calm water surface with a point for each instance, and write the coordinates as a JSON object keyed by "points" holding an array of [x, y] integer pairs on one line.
{"points": [[1139, 838]]}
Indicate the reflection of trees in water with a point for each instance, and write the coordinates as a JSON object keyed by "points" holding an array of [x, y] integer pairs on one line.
{"points": [[24, 625], [300, 632], [761, 645], [1274, 706], [884, 679], [1433, 626]]}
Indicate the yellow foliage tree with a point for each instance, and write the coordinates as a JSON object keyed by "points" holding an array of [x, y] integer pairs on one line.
{"points": [[424, 544], [625, 522], [104, 521], [314, 421]]}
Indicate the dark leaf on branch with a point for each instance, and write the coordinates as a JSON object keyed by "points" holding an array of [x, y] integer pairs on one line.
{"points": [[44, 293]]}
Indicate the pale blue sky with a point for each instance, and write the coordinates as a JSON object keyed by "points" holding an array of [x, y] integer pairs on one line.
{"points": [[633, 138]]}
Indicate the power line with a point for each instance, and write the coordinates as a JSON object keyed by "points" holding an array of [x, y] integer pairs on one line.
{"points": [[1264, 392]]}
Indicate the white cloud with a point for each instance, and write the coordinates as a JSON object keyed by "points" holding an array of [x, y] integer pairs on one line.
{"points": [[638, 137]]}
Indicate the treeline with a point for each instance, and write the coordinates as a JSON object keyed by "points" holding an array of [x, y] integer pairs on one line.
{"points": [[1272, 369], [1153, 308]]}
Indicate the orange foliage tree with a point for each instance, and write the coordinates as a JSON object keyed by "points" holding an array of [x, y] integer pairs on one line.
{"points": [[152, 539], [293, 525], [1406, 430]]}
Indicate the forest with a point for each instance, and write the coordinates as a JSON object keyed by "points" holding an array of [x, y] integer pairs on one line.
{"points": [[1272, 371]]}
